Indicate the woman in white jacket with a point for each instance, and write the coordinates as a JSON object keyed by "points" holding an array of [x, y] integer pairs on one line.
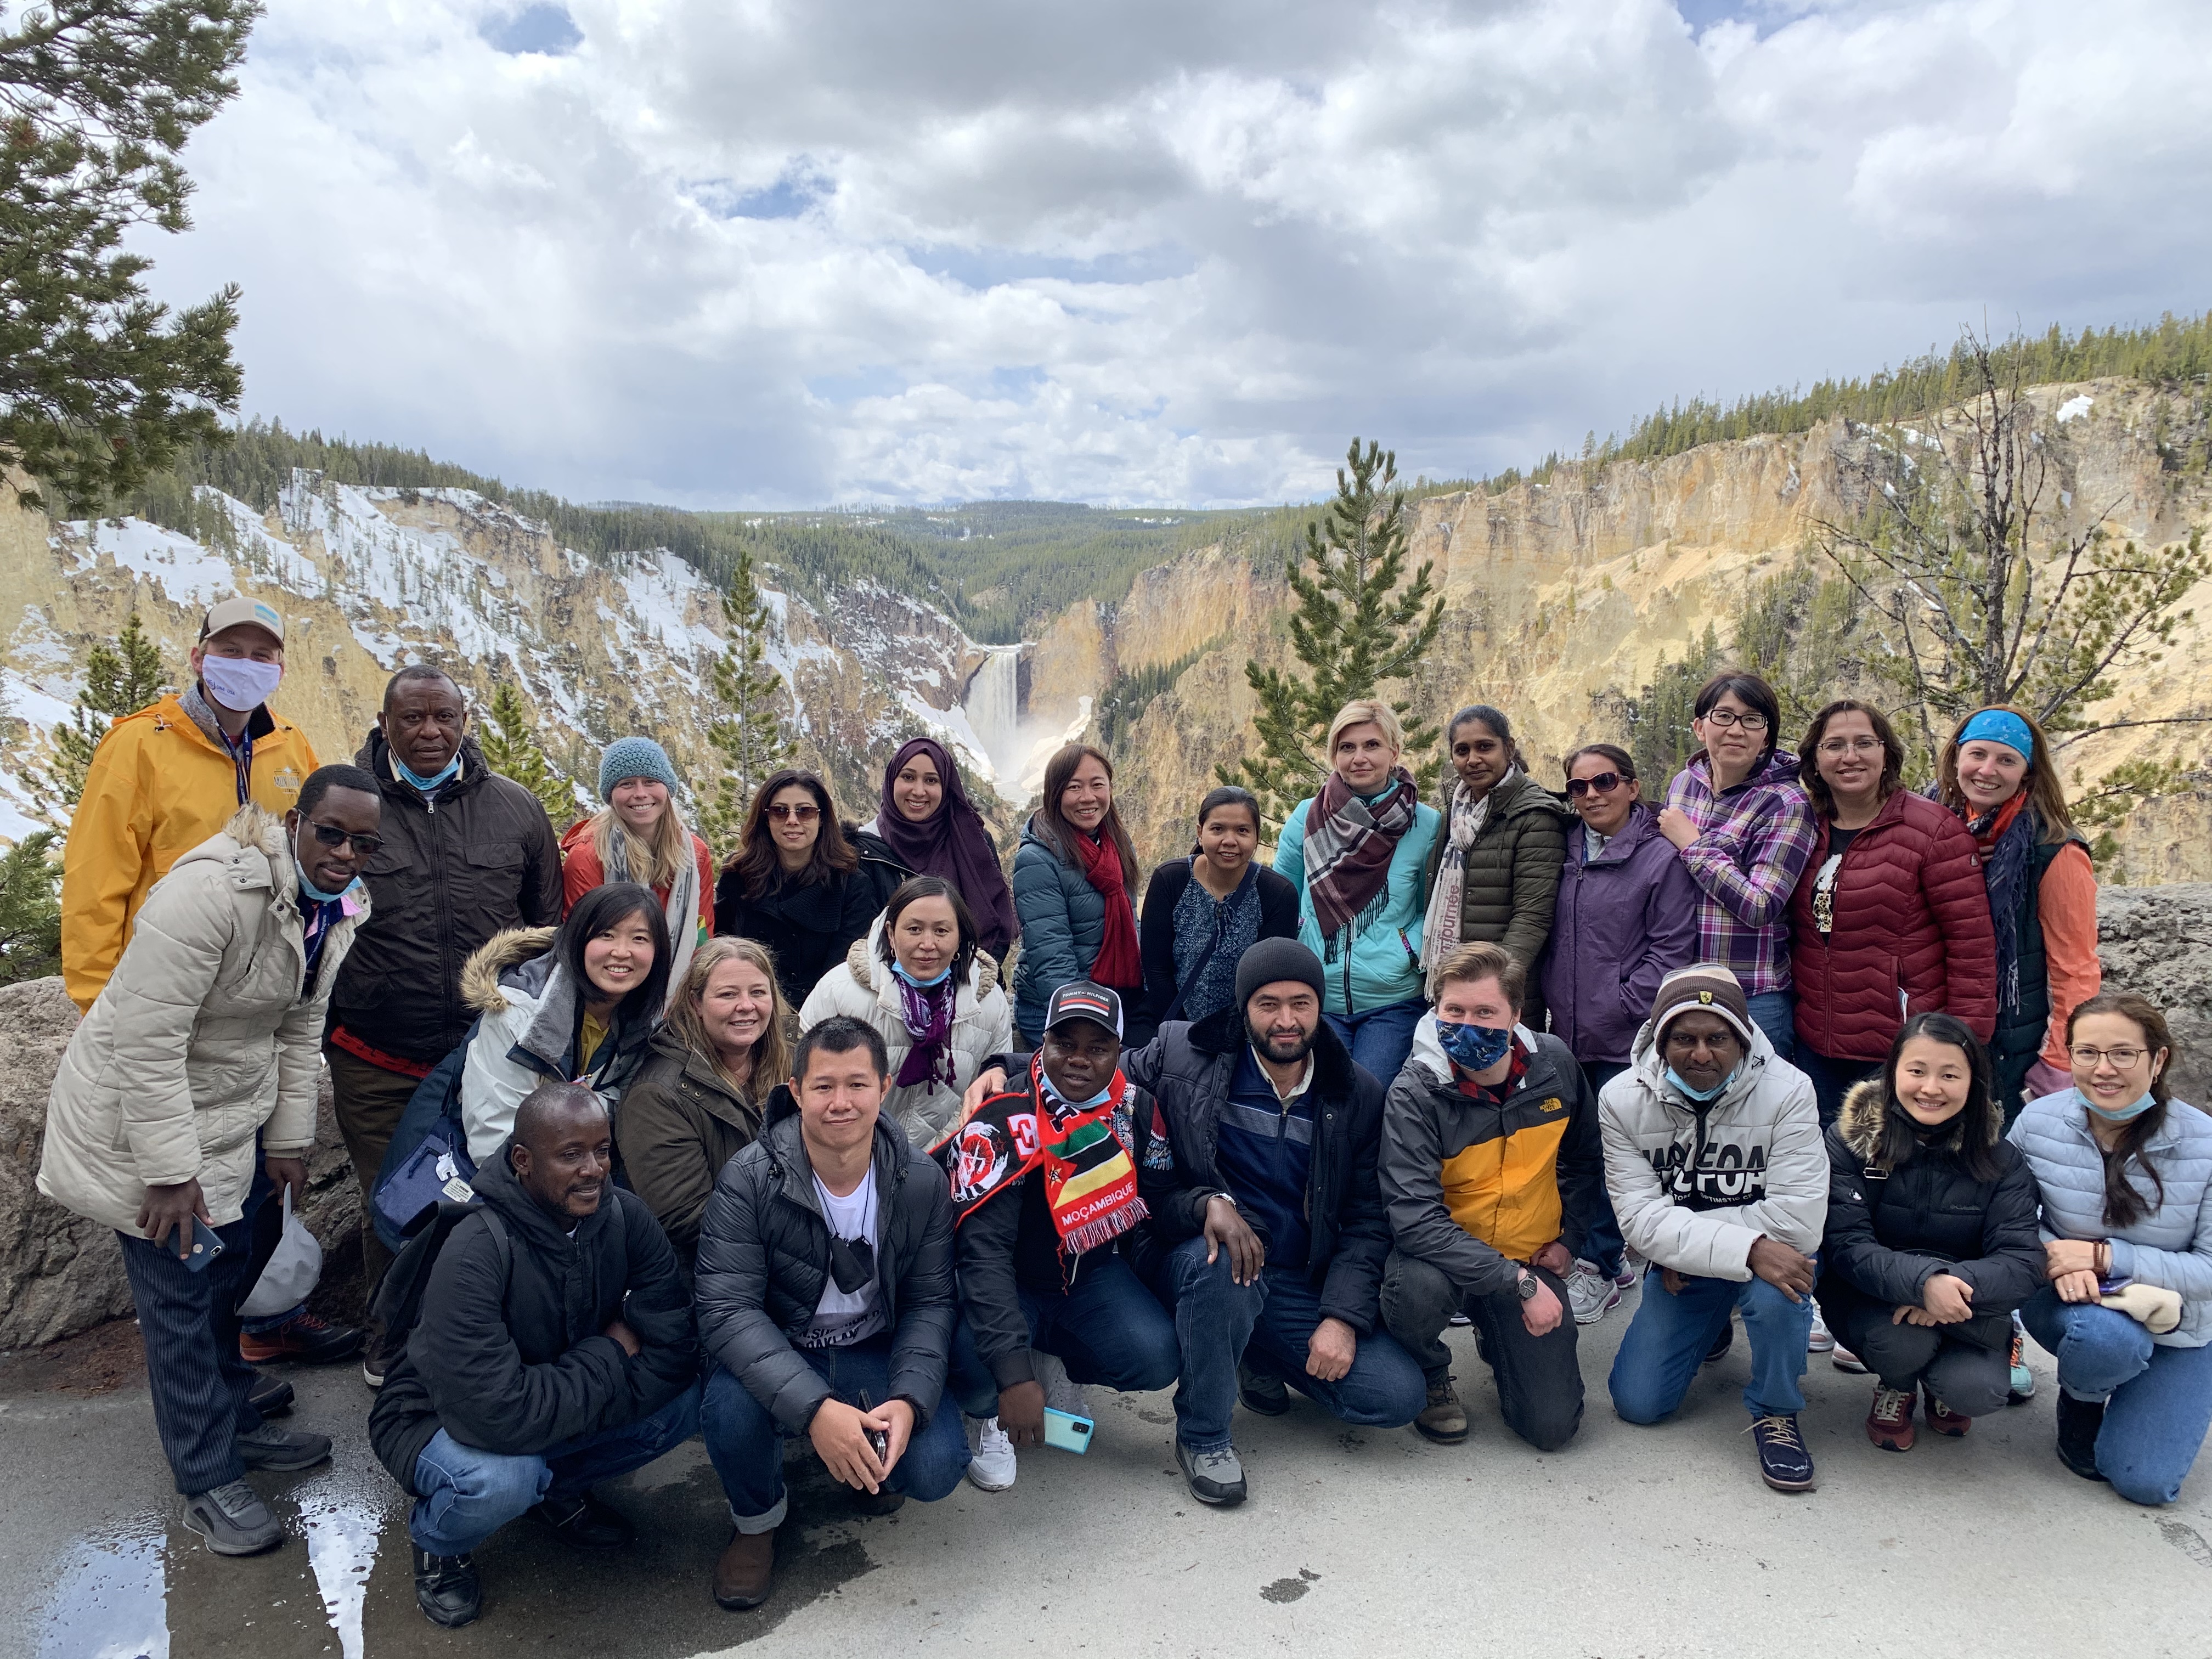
{"points": [[201, 1046], [575, 1004], [922, 981]]}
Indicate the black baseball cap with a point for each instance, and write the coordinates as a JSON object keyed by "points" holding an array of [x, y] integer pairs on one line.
{"points": [[1084, 1000]]}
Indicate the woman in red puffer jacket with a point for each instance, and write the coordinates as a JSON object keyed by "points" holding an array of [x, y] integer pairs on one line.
{"points": [[1891, 917]]}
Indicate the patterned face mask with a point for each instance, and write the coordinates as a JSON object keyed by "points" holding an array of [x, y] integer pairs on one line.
{"points": [[1474, 1047]]}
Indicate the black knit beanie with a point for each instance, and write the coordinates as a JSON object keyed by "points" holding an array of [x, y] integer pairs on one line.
{"points": [[1272, 959]]}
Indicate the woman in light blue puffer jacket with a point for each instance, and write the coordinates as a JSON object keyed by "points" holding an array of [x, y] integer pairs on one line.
{"points": [[2126, 1175]]}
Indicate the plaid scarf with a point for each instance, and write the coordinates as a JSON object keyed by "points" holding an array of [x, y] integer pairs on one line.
{"points": [[1085, 1153], [1349, 844]]}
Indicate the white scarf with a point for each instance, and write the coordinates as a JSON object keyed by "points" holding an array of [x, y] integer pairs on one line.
{"points": [[1440, 928], [681, 911]]}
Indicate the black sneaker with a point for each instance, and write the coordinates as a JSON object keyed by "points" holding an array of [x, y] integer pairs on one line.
{"points": [[1270, 1396], [378, 1353], [1784, 1462], [882, 1502], [1214, 1477], [269, 1395], [1722, 1343], [283, 1449], [585, 1522], [2079, 1421], [234, 1519], [447, 1590]]}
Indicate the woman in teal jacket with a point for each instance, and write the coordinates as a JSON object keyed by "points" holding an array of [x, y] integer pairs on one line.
{"points": [[1075, 887], [1357, 853]]}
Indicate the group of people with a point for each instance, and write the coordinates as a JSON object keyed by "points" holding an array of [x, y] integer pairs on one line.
{"points": [[652, 1150]]}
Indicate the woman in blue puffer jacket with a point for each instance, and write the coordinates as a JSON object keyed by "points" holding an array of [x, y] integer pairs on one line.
{"points": [[2126, 1175], [1075, 886]]}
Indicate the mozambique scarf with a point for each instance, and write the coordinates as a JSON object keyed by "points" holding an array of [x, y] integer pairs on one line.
{"points": [[2006, 839], [1349, 844], [1086, 1154], [928, 1010], [1119, 962], [1440, 928]]}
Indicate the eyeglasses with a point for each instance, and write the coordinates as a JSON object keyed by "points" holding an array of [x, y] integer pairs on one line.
{"points": [[796, 814], [1605, 783], [330, 834], [1849, 745], [2122, 1059], [1752, 721]]}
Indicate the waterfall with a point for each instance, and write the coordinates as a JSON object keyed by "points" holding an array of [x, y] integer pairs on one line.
{"points": [[993, 706]]}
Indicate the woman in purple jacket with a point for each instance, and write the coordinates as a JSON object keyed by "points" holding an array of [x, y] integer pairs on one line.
{"points": [[1626, 916]]}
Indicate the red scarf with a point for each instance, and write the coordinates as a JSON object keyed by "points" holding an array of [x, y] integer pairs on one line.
{"points": [[1119, 963], [1988, 832]]}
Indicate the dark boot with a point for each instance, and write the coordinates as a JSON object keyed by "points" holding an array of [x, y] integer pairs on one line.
{"points": [[585, 1522], [2079, 1420], [742, 1576], [447, 1590]]}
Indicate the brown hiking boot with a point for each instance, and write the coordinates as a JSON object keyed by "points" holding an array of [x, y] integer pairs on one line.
{"points": [[1445, 1421], [742, 1575]]}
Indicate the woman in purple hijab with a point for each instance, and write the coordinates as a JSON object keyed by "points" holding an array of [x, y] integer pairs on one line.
{"points": [[927, 822]]}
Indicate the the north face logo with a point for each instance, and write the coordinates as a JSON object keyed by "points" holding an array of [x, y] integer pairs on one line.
{"points": [[287, 780]]}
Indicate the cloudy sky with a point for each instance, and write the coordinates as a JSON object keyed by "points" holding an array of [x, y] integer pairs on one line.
{"points": [[789, 252]]}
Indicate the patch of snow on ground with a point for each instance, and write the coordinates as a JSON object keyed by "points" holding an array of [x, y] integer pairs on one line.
{"points": [[2074, 407], [187, 573]]}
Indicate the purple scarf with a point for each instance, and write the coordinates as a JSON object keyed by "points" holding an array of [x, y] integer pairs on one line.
{"points": [[954, 843], [928, 1010]]}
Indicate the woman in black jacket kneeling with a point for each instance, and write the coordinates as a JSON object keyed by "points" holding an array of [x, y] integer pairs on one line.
{"points": [[1932, 1237]]}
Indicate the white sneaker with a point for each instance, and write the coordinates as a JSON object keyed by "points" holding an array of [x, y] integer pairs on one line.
{"points": [[1061, 1392], [991, 1464], [1591, 1295], [1821, 1340]]}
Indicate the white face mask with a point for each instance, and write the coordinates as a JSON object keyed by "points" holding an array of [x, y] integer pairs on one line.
{"points": [[240, 684]]}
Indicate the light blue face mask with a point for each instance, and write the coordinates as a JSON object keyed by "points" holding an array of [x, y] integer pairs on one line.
{"points": [[922, 984], [1701, 1096], [2126, 1114], [427, 784], [311, 890]]}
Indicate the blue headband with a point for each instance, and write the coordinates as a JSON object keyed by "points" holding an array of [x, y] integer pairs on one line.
{"points": [[2000, 725]]}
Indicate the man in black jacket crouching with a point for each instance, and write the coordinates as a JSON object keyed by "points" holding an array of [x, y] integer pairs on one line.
{"points": [[554, 1349], [826, 1304]]}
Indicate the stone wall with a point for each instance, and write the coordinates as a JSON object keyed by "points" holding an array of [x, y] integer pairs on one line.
{"points": [[60, 1273]]}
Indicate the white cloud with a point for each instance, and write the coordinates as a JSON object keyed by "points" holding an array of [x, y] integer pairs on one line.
{"points": [[769, 252]]}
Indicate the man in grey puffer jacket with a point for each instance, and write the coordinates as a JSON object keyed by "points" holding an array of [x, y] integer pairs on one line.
{"points": [[1714, 1160]]}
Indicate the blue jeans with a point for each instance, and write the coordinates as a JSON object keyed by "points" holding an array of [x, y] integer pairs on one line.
{"points": [[1108, 1330], [1603, 1244], [1381, 1038], [1833, 1078], [1666, 1340], [2158, 1400], [469, 1494], [1775, 1012], [1268, 1325], [746, 1443]]}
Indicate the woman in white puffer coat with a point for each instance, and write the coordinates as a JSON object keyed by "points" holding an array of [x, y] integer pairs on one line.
{"points": [[922, 981]]}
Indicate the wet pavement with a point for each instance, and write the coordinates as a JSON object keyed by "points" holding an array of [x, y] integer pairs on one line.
{"points": [[1631, 1541]]}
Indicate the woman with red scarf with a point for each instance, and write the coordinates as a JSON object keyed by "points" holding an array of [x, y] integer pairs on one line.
{"points": [[1075, 888]]}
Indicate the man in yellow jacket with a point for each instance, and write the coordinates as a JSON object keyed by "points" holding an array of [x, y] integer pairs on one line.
{"points": [[166, 778]]}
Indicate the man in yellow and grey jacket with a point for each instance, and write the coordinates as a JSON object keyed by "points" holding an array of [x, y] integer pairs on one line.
{"points": [[1491, 1165]]}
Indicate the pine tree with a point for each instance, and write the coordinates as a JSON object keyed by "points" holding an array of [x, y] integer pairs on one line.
{"points": [[99, 384], [749, 734], [1353, 630], [30, 910], [510, 749], [119, 679]]}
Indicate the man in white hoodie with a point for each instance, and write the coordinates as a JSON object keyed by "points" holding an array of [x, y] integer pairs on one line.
{"points": [[1714, 1161]]}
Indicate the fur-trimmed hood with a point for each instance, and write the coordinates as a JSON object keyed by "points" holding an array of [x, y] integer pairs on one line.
{"points": [[1860, 1121], [480, 985]]}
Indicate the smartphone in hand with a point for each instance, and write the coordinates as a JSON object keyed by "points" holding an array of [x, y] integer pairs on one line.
{"points": [[206, 1247], [1067, 1431]]}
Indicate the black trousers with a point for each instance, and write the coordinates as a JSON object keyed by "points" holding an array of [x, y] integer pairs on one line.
{"points": [[1971, 1380], [189, 1324], [1540, 1379]]}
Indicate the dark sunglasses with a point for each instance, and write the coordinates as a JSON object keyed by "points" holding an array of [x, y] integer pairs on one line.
{"points": [[1605, 783], [852, 1262], [330, 834], [796, 814]]}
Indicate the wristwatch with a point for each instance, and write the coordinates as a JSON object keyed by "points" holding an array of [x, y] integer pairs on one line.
{"points": [[1527, 1287]]}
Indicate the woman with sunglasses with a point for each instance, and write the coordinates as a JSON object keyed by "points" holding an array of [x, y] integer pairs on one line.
{"points": [[1626, 917], [1741, 820], [1493, 873], [800, 883], [638, 835], [2126, 1177]]}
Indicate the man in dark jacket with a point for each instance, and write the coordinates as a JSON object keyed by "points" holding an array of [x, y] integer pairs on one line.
{"points": [[825, 1300], [1045, 1183], [554, 1349], [1268, 1208], [1493, 1164], [466, 855]]}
